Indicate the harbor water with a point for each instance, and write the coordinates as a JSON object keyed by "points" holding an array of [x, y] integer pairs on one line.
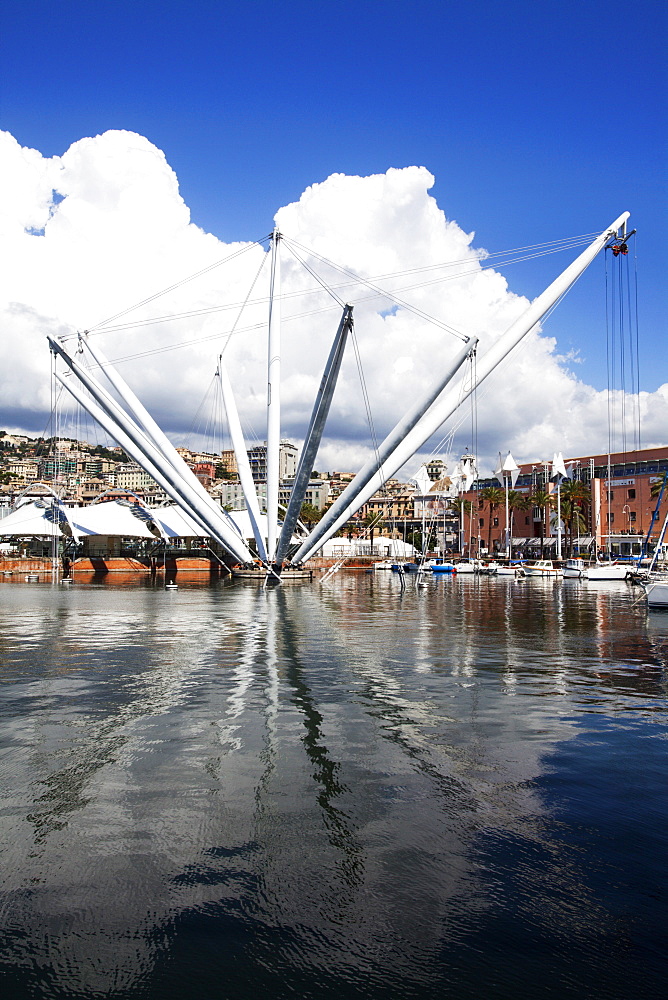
{"points": [[453, 791]]}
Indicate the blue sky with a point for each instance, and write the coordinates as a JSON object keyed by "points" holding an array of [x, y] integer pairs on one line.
{"points": [[539, 120]]}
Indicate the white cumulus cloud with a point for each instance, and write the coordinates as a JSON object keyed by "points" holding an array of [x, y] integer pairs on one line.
{"points": [[90, 233]]}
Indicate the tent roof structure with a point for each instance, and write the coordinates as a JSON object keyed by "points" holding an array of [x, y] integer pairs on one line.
{"points": [[114, 518]]}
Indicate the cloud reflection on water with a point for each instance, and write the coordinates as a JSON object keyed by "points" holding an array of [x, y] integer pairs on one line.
{"points": [[310, 772]]}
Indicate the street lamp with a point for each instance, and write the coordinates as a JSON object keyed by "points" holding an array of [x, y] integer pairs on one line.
{"points": [[627, 510]]}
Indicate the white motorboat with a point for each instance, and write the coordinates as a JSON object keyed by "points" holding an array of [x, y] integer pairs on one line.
{"points": [[578, 569], [544, 568], [575, 569], [656, 592], [386, 564], [517, 572], [467, 566]]}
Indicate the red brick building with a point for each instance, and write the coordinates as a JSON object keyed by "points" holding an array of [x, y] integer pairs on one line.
{"points": [[617, 514]]}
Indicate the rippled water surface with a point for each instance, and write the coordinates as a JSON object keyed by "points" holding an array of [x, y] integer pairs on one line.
{"points": [[458, 791]]}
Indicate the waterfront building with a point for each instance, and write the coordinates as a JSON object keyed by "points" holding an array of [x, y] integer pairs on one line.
{"points": [[617, 512]]}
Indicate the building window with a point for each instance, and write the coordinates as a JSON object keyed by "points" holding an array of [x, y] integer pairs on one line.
{"points": [[611, 494], [611, 518], [496, 522], [526, 520], [481, 522], [630, 494], [632, 517]]}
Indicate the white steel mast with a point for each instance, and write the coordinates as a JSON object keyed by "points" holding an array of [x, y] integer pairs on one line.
{"points": [[434, 415], [273, 395], [241, 455], [139, 446]]}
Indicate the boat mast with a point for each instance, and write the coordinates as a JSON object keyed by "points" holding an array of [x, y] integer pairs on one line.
{"points": [[273, 395]]}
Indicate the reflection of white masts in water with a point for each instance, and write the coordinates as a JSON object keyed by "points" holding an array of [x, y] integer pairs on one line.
{"points": [[271, 663], [243, 674]]}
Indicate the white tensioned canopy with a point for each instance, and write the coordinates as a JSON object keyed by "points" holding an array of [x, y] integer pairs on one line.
{"points": [[113, 518], [29, 519]]}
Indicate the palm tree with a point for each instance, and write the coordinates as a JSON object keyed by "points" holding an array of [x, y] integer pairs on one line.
{"points": [[658, 485], [516, 501], [462, 507], [309, 515], [544, 500], [572, 512], [492, 496], [574, 501]]}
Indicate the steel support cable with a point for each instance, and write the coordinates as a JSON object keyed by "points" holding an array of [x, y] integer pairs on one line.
{"points": [[445, 442], [622, 347], [177, 284], [314, 274], [634, 359], [400, 302], [618, 311], [247, 329], [365, 394], [257, 326], [607, 349], [380, 291], [542, 249], [482, 392], [103, 325], [209, 310], [630, 364], [242, 307], [209, 391]]}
